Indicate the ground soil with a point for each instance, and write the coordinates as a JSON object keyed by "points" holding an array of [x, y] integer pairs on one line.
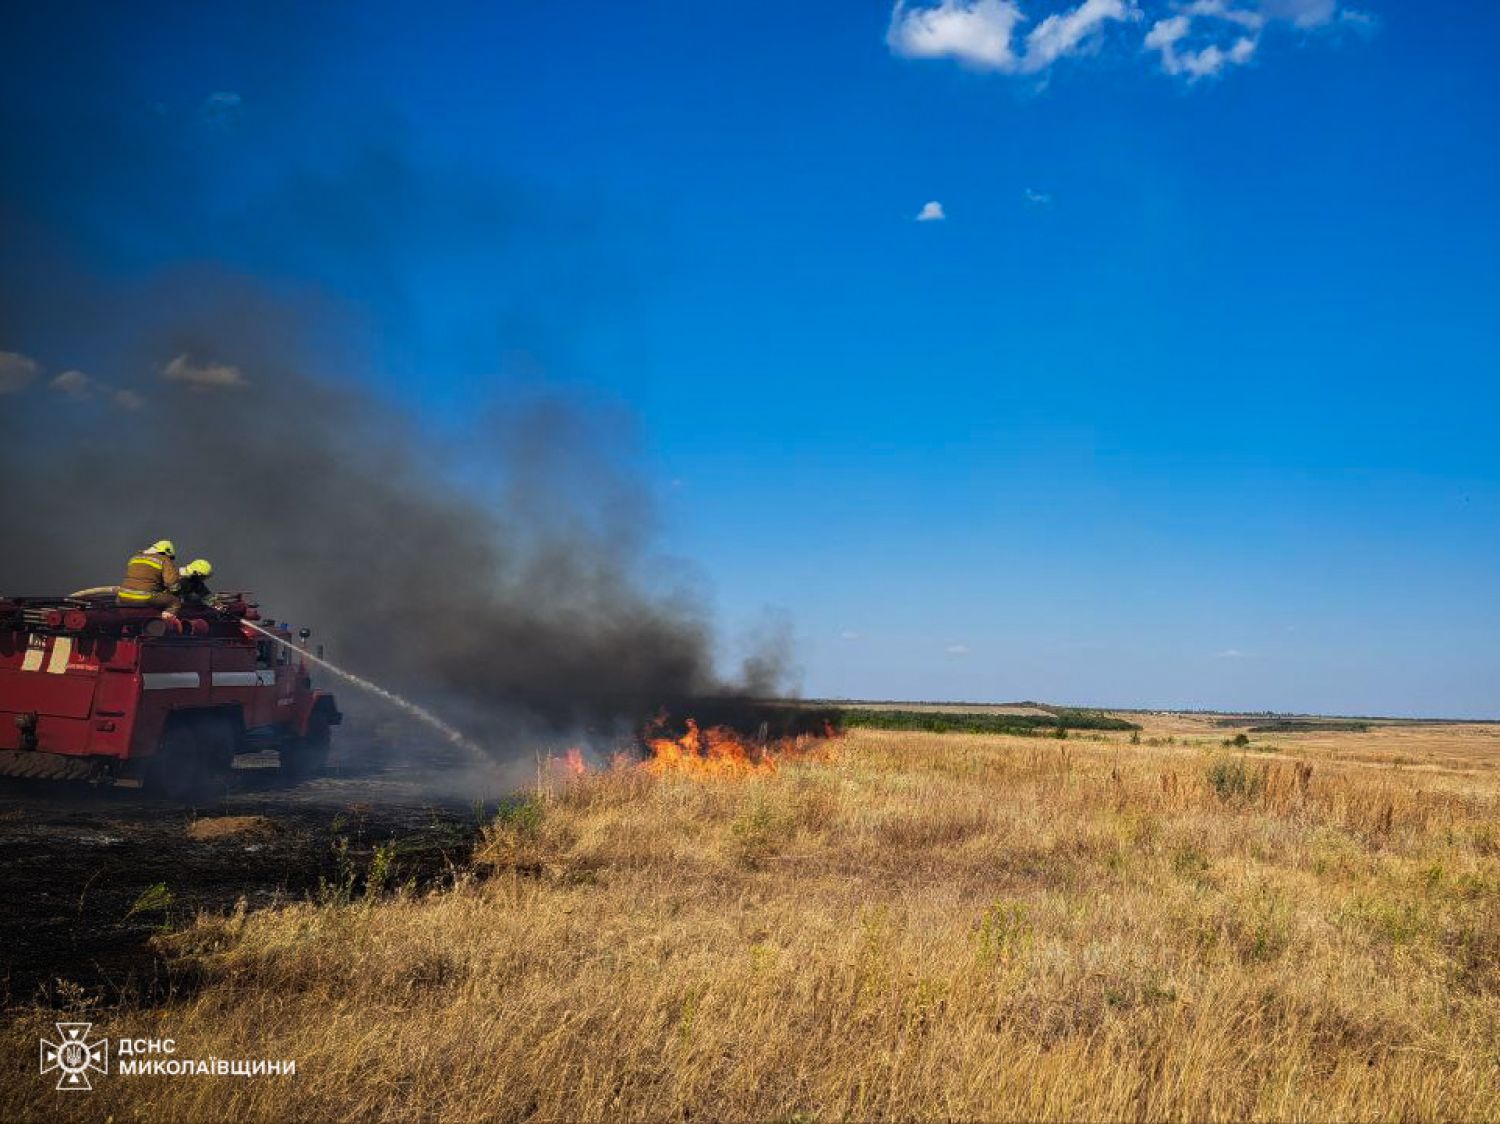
{"points": [[91, 874]]}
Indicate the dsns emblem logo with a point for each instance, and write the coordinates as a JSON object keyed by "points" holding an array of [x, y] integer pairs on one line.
{"points": [[74, 1056]]}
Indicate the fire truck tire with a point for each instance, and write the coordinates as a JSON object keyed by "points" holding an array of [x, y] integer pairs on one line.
{"points": [[308, 755], [193, 763]]}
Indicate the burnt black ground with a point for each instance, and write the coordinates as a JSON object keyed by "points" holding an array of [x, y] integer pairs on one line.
{"points": [[75, 862]]}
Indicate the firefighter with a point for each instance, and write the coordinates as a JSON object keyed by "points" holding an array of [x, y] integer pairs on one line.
{"points": [[150, 577], [192, 586]]}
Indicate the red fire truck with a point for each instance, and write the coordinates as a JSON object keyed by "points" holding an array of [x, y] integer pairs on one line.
{"points": [[94, 691]]}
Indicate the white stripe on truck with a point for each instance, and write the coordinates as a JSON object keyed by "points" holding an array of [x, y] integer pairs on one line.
{"points": [[244, 679], [62, 649], [36, 648], [168, 680]]}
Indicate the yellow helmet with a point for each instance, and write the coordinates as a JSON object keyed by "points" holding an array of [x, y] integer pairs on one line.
{"points": [[199, 568], [162, 546]]}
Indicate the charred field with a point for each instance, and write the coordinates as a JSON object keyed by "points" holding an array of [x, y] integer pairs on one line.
{"points": [[93, 875], [887, 924]]}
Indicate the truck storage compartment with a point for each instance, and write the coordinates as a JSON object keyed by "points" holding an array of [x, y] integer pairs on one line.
{"points": [[61, 696]]}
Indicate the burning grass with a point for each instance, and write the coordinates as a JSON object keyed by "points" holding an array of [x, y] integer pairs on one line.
{"points": [[922, 926]]}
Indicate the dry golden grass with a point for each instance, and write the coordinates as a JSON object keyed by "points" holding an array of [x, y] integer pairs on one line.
{"points": [[932, 926], [225, 827]]}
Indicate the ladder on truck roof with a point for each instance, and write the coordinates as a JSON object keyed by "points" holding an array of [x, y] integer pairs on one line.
{"points": [[37, 612], [79, 614]]}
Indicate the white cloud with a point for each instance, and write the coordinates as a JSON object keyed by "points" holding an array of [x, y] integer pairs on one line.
{"points": [[957, 649], [202, 375], [931, 212], [1066, 33], [850, 634], [1169, 36], [75, 384], [977, 32], [1166, 32], [16, 371], [1195, 39], [1221, 9], [1038, 198], [82, 387], [981, 33], [1232, 654], [1206, 37]]}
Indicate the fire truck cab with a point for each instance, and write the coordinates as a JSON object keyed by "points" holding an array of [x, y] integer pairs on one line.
{"points": [[95, 691]]}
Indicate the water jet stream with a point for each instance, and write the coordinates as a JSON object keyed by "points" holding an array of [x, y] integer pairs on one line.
{"points": [[422, 714]]}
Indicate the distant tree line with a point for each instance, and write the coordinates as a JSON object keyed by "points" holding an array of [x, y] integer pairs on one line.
{"points": [[978, 722]]}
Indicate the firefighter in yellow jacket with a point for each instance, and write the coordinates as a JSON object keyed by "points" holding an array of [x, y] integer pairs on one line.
{"points": [[149, 578], [193, 586]]}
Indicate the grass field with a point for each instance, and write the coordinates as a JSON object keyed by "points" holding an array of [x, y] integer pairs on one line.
{"points": [[935, 926]]}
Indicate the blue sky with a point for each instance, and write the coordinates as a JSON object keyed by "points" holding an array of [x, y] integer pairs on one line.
{"points": [[1189, 399]]}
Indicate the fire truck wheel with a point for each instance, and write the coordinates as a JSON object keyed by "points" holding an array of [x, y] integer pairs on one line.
{"points": [[193, 763], [308, 754]]}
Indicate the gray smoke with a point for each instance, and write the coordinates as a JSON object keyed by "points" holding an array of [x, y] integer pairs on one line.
{"points": [[515, 580], [192, 306]]}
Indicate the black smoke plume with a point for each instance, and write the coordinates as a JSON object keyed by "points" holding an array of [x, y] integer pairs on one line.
{"points": [[514, 580], [179, 372]]}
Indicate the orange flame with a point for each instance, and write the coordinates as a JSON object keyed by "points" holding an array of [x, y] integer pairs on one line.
{"points": [[570, 766], [716, 752]]}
